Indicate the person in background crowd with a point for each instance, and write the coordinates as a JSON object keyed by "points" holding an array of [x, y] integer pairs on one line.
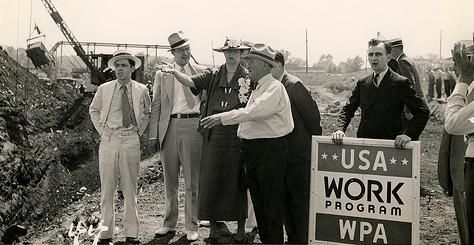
{"points": [[431, 83], [439, 81], [459, 121], [381, 97], [306, 119], [120, 112], [175, 116]]}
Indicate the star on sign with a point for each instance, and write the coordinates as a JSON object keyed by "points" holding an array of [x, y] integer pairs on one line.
{"points": [[404, 161], [324, 155], [334, 156], [393, 161]]}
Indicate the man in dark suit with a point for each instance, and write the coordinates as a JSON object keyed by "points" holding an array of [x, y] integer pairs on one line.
{"points": [[307, 119], [381, 97], [406, 65]]}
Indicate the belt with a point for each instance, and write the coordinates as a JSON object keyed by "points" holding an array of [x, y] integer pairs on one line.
{"points": [[124, 132], [179, 116]]}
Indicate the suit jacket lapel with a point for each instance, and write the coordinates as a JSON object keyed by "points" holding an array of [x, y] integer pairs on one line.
{"points": [[193, 70], [108, 93], [135, 99], [168, 79]]}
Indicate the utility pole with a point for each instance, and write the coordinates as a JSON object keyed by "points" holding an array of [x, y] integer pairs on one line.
{"points": [[306, 51], [440, 42], [212, 50]]}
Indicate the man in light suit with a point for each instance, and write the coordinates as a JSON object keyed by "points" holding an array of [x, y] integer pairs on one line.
{"points": [[120, 113], [307, 119], [173, 131]]}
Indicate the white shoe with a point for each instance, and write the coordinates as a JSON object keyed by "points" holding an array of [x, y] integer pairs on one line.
{"points": [[164, 230], [192, 235], [204, 223]]}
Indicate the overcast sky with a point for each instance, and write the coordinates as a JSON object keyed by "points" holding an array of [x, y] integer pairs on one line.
{"points": [[338, 27]]}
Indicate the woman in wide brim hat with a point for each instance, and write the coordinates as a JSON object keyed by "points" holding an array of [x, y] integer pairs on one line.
{"points": [[222, 196]]}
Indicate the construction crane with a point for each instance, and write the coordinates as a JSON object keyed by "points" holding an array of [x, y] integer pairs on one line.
{"points": [[97, 76]]}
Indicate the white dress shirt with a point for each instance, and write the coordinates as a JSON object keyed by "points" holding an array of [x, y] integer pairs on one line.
{"points": [[267, 114], [180, 106], [459, 115]]}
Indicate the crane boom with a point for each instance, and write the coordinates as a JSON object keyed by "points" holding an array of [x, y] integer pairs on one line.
{"points": [[96, 75]]}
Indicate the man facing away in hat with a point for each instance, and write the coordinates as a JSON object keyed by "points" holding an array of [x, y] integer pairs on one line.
{"points": [[264, 123], [406, 66], [175, 113], [306, 119], [120, 113]]}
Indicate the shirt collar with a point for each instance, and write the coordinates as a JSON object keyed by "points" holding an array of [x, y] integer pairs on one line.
{"points": [[265, 79], [400, 56], [381, 74], [127, 84], [186, 67], [281, 77]]}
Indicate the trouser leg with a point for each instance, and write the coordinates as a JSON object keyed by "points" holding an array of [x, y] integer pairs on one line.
{"points": [[296, 219], [189, 151], [129, 165], [108, 169], [171, 167]]}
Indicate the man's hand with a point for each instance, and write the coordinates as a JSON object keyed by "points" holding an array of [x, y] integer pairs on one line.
{"points": [[155, 144], [463, 65], [211, 121], [337, 137], [165, 67], [401, 141]]}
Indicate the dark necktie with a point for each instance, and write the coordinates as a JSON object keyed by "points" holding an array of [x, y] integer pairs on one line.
{"points": [[187, 93], [126, 110], [376, 80]]}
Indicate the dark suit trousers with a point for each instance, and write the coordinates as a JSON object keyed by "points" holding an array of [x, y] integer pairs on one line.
{"points": [[469, 184], [297, 183], [265, 160], [431, 86], [459, 199], [438, 84]]}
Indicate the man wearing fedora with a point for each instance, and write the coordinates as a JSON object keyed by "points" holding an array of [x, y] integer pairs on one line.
{"points": [[120, 113], [175, 113], [221, 196], [264, 123]]}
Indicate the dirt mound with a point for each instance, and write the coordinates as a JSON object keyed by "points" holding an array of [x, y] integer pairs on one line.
{"points": [[34, 150]]}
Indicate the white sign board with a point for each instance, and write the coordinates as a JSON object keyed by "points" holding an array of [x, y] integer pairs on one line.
{"points": [[364, 191]]}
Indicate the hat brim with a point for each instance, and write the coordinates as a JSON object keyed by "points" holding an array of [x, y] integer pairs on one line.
{"points": [[111, 62], [231, 48], [187, 43], [258, 57]]}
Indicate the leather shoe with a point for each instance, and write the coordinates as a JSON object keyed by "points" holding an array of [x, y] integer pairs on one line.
{"points": [[132, 240], [164, 231], [244, 240], [192, 235], [107, 241]]}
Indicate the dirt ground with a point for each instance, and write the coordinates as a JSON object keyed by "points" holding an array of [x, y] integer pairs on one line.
{"points": [[437, 221]]}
